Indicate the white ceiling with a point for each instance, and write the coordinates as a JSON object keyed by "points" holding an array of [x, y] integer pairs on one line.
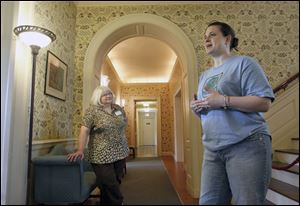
{"points": [[143, 60]]}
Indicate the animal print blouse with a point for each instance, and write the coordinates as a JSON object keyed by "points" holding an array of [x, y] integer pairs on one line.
{"points": [[107, 141]]}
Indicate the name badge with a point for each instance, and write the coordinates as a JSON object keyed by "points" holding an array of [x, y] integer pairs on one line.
{"points": [[118, 113]]}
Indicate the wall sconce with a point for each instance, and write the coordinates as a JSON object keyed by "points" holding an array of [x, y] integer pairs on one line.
{"points": [[123, 103], [35, 37], [104, 80]]}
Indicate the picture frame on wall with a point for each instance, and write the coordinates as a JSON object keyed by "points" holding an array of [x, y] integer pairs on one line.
{"points": [[56, 77]]}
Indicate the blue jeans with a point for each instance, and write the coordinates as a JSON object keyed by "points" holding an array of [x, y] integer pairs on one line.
{"points": [[240, 172]]}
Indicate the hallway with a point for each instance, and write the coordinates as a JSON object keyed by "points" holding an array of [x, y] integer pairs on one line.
{"points": [[146, 151], [146, 51], [176, 174]]}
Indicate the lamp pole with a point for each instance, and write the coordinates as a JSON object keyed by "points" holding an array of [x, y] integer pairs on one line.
{"points": [[34, 50], [36, 37]]}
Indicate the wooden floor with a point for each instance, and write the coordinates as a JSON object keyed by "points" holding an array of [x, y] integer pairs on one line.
{"points": [[176, 173]]}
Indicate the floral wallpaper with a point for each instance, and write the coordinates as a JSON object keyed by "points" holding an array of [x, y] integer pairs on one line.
{"points": [[53, 118], [267, 31]]}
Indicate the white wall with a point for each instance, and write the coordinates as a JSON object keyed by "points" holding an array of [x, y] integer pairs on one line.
{"points": [[7, 18], [16, 75], [283, 118]]}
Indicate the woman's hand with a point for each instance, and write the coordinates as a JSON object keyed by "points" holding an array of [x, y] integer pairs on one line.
{"points": [[214, 100], [198, 105], [73, 156]]}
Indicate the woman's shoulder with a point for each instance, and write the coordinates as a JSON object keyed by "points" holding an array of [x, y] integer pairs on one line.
{"points": [[248, 63], [116, 106], [244, 58], [94, 108], [245, 62]]}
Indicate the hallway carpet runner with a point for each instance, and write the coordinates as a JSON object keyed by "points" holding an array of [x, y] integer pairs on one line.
{"points": [[147, 183]]}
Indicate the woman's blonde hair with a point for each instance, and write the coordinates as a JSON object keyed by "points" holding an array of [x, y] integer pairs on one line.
{"points": [[98, 92]]}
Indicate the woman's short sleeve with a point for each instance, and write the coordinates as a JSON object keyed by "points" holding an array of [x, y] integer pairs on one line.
{"points": [[88, 118]]}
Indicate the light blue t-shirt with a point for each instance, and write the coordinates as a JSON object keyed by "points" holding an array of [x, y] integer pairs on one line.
{"points": [[237, 76]]}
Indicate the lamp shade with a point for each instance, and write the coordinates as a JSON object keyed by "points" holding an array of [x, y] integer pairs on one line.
{"points": [[34, 35]]}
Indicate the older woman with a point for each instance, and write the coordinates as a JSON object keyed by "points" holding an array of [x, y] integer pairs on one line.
{"points": [[104, 122]]}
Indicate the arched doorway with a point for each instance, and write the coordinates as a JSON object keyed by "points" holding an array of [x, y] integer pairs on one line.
{"points": [[160, 28]]}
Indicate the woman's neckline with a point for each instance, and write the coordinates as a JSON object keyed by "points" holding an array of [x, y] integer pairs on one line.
{"points": [[224, 62]]}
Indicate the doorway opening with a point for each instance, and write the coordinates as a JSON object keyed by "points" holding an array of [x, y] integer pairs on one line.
{"points": [[168, 32], [146, 128]]}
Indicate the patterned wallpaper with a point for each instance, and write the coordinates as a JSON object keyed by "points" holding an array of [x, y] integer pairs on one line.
{"points": [[53, 118], [267, 30]]}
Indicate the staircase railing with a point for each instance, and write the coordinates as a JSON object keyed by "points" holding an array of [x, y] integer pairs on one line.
{"points": [[283, 86], [288, 166]]}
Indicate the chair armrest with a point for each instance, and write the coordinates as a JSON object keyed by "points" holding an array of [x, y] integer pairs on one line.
{"points": [[55, 160]]}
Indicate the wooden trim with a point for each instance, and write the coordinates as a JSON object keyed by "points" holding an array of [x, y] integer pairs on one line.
{"points": [[49, 141], [285, 189]]}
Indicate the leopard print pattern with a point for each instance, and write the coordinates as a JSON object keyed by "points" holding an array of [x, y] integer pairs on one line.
{"points": [[107, 141]]}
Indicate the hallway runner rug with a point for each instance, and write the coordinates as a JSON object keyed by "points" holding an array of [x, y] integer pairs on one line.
{"points": [[147, 183]]}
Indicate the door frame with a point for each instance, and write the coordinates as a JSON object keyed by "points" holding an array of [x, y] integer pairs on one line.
{"points": [[158, 121]]}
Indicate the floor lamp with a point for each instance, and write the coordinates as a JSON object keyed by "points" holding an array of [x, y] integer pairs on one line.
{"points": [[36, 37]]}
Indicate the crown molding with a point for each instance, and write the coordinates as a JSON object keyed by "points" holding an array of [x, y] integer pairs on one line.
{"points": [[122, 3]]}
